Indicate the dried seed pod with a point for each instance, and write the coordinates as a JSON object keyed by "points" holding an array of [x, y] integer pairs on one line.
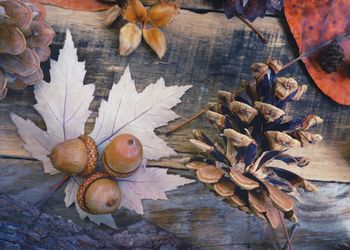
{"points": [[134, 11], [99, 194], [129, 39], [75, 156], [123, 155], [155, 38], [112, 14], [162, 14]]}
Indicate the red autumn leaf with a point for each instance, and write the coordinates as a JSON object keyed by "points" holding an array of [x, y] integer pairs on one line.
{"points": [[313, 23], [85, 5]]}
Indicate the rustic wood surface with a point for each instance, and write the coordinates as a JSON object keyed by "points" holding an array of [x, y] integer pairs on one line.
{"points": [[211, 53]]}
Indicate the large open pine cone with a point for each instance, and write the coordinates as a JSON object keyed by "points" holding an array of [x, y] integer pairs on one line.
{"points": [[24, 41], [256, 133]]}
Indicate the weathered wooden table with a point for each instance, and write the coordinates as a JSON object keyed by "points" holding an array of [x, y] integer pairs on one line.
{"points": [[211, 53]]}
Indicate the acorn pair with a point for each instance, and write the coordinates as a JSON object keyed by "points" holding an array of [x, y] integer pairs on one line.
{"points": [[99, 193]]}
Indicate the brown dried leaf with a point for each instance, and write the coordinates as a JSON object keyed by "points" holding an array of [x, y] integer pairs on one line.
{"points": [[162, 14], [134, 11], [155, 38]]}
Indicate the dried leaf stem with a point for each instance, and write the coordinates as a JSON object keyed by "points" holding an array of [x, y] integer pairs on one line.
{"points": [[195, 116], [250, 25], [314, 50], [52, 190]]}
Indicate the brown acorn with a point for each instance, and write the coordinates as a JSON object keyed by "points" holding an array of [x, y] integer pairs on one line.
{"points": [[99, 194], [122, 156], [75, 156]]}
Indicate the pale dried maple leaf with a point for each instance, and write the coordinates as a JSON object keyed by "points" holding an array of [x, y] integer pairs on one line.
{"points": [[148, 183], [64, 105], [128, 111]]}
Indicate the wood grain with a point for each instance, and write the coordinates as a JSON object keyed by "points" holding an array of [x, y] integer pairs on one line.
{"points": [[205, 50], [211, 53]]}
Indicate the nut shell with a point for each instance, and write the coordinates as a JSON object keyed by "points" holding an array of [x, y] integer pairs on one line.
{"points": [[122, 156], [99, 194]]}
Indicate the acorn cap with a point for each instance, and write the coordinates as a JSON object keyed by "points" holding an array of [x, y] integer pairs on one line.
{"points": [[92, 152], [209, 174], [99, 194]]}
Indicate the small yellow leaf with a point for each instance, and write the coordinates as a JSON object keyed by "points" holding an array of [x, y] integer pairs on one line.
{"points": [[155, 38], [162, 14], [129, 38], [134, 11]]}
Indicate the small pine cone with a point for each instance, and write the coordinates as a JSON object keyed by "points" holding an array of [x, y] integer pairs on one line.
{"points": [[331, 58], [24, 43]]}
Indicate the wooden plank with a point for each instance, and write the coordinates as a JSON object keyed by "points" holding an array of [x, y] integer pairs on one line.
{"points": [[197, 216], [205, 50]]}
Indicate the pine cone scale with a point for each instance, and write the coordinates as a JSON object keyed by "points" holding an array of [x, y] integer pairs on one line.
{"points": [[24, 41]]}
